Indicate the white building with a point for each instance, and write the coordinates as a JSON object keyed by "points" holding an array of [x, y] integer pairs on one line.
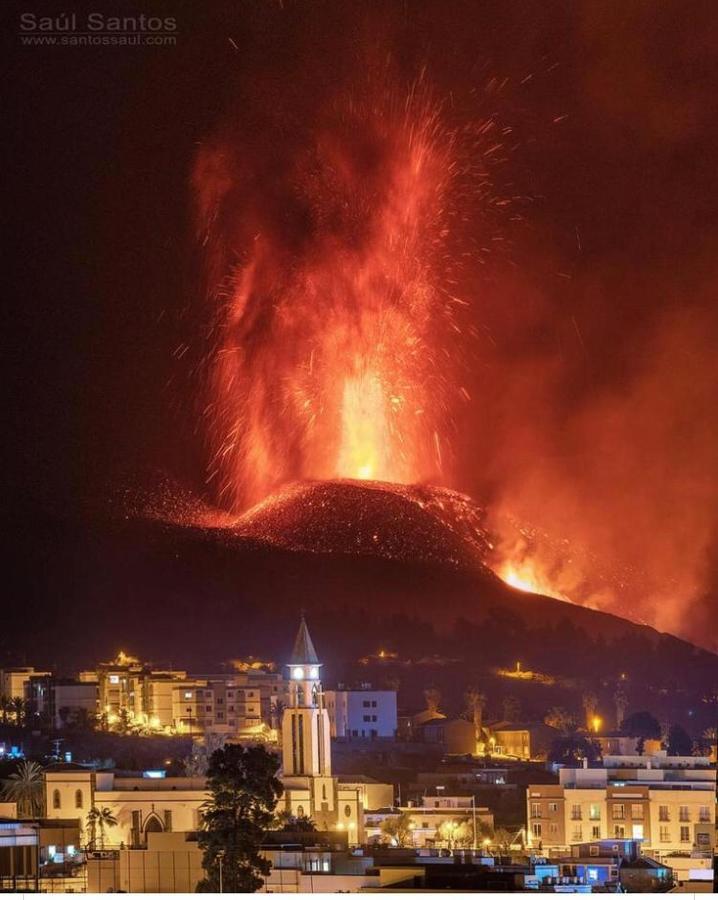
{"points": [[362, 714]]}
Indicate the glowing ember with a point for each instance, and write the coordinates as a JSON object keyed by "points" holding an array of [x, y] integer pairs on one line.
{"points": [[334, 337]]}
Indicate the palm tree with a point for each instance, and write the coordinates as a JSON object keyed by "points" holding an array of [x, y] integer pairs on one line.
{"points": [[475, 705], [99, 819], [590, 704], [18, 707], [5, 705], [432, 696], [24, 787], [621, 701]]}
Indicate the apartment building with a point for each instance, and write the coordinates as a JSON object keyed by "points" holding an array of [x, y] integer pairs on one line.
{"points": [[363, 713], [14, 682], [63, 701], [170, 700], [666, 802]]}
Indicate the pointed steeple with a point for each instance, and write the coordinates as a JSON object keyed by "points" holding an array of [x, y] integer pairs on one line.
{"points": [[303, 653]]}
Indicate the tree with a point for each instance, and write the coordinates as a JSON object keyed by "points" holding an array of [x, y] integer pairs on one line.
{"points": [[475, 701], [25, 787], [572, 750], [502, 840], [398, 829], [244, 789], [560, 719], [285, 821], [680, 742], [590, 705], [98, 820], [5, 706], [432, 697], [621, 701], [642, 725], [512, 709], [19, 709], [197, 763], [456, 833]]}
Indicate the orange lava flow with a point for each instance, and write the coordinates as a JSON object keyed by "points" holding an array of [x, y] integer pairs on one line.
{"points": [[329, 353]]}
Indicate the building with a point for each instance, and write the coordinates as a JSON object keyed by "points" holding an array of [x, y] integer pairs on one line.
{"points": [[667, 802], [454, 736], [63, 701], [531, 740], [141, 805], [616, 743], [610, 865], [41, 856], [309, 787], [362, 713], [171, 863], [13, 682], [433, 817]]}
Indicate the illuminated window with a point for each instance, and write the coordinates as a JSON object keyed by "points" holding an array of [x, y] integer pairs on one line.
{"points": [[594, 811], [536, 829], [297, 672], [592, 874], [188, 695], [114, 679], [314, 672], [638, 832]]}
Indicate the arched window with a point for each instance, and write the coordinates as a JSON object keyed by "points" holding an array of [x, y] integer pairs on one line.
{"points": [[55, 799], [78, 799], [300, 811], [153, 824]]}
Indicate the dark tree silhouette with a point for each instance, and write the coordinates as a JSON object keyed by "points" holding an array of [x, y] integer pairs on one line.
{"points": [[244, 790]]}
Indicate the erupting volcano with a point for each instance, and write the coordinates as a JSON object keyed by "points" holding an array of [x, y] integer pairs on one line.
{"points": [[336, 334], [341, 333]]}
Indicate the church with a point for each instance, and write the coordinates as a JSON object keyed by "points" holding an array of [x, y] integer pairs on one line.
{"points": [[310, 789]]}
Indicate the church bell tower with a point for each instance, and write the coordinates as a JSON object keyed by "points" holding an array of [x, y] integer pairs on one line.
{"points": [[306, 747]]}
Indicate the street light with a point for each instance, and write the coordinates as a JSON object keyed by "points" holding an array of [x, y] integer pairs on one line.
{"points": [[220, 857]]}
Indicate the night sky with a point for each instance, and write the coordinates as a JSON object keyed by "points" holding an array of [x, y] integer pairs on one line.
{"points": [[594, 374]]}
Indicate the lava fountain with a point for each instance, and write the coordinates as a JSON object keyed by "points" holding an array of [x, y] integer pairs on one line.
{"points": [[334, 349]]}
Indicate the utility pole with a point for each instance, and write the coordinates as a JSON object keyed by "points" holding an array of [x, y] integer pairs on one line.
{"points": [[473, 816]]}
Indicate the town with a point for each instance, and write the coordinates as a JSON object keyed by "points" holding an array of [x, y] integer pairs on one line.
{"points": [[106, 779]]}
